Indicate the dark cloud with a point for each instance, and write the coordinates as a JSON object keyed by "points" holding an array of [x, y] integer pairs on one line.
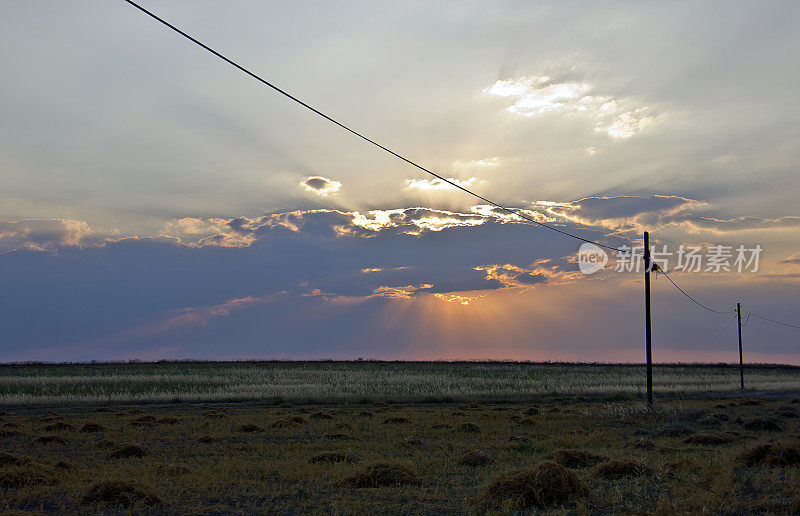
{"points": [[131, 282], [321, 185]]}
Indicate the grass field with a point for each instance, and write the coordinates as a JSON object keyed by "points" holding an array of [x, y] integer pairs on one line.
{"points": [[527, 441], [373, 381]]}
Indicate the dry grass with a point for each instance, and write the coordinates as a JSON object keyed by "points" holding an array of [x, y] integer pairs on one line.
{"points": [[250, 428], [120, 493], [328, 457], [289, 422], [709, 439], [546, 484], [475, 459], [92, 427], [51, 438], [205, 464], [771, 454], [17, 471], [470, 428], [396, 420], [349, 381], [618, 468], [383, 474], [763, 424], [577, 458], [128, 451]]}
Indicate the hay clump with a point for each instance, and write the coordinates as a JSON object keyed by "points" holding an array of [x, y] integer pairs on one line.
{"points": [[249, 428], [788, 412], [440, 426], [763, 424], [168, 421], [207, 439], [58, 426], [396, 420], [366, 413], [474, 459], [470, 428], [144, 421], [676, 431], [92, 427], [50, 438], [107, 443], [525, 421], [381, 474], [18, 471], [577, 458], [320, 415], [618, 468], [120, 493], [708, 439], [546, 484], [770, 454], [127, 451], [10, 433], [333, 457], [289, 422], [339, 436]]}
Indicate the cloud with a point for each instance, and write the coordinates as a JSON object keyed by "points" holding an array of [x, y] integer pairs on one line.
{"points": [[538, 95], [494, 161], [438, 184], [321, 186], [43, 234], [793, 259], [627, 124]]}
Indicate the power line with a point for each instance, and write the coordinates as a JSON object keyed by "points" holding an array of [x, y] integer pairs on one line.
{"points": [[695, 301], [513, 211], [772, 320]]}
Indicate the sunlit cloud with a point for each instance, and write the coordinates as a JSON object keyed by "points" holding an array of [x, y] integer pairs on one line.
{"points": [[494, 161], [540, 272], [382, 269], [627, 124], [538, 95], [43, 234], [460, 298], [405, 292], [438, 184], [321, 186], [202, 315]]}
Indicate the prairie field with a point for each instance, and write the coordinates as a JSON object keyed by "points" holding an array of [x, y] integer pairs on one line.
{"points": [[410, 444], [373, 381]]}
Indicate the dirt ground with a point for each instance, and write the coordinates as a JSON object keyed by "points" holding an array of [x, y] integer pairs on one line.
{"points": [[725, 455]]}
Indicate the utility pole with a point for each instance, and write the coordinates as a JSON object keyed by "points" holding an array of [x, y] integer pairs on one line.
{"points": [[741, 361], [649, 351]]}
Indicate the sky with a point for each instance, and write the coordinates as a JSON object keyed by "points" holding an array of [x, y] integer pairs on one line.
{"points": [[156, 203]]}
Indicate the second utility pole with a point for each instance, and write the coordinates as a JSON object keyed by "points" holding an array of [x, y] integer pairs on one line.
{"points": [[741, 362], [647, 318]]}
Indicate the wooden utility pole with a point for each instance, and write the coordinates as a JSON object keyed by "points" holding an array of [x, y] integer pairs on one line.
{"points": [[648, 337], [741, 361]]}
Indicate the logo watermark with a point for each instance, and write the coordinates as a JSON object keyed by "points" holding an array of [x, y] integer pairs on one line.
{"points": [[591, 258], [687, 258]]}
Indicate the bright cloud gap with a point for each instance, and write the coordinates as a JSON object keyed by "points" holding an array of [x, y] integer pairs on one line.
{"points": [[538, 95]]}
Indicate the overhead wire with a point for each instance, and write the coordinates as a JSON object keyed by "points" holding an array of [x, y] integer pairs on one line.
{"points": [[695, 301], [514, 211], [773, 320]]}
